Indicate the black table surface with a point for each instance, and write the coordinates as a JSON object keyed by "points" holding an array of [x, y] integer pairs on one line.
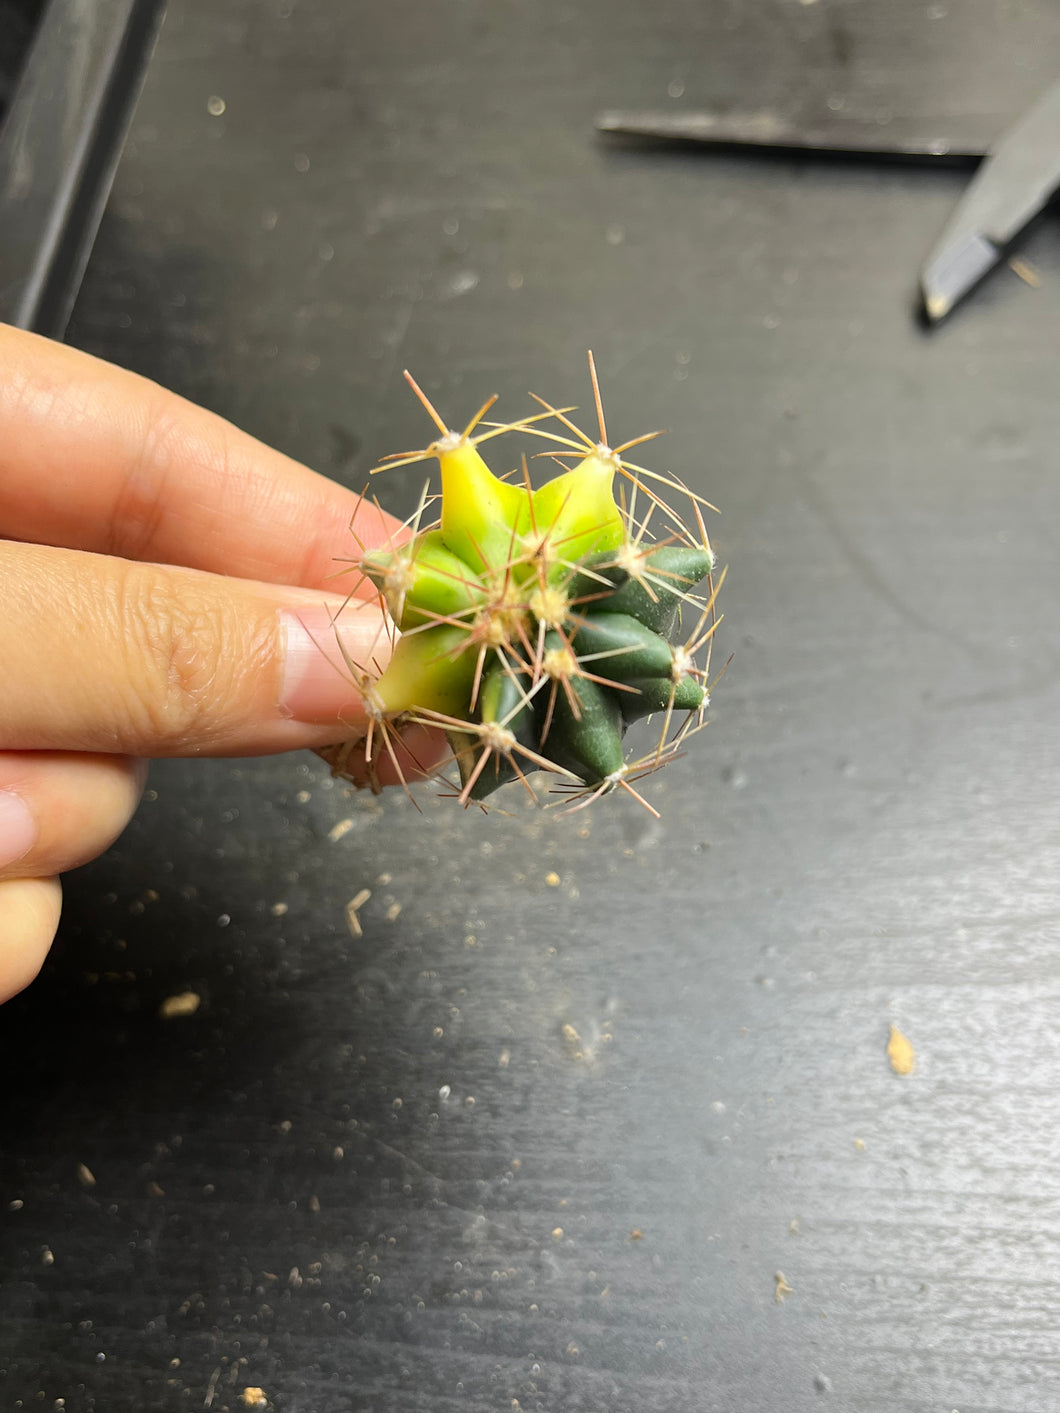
{"points": [[549, 1134]]}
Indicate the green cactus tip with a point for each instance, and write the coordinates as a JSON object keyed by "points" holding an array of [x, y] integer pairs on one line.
{"points": [[534, 625]]}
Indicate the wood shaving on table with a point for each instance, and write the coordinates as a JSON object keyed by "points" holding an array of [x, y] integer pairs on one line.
{"points": [[1027, 272], [900, 1052], [352, 909], [184, 1003]]}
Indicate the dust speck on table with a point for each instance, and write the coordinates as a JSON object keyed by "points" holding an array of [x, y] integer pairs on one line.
{"points": [[900, 1052], [184, 1003]]}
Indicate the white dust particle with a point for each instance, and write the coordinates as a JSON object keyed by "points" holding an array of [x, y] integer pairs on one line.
{"points": [[85, 1176], [340, 830], [215, 105], [463, 282]]}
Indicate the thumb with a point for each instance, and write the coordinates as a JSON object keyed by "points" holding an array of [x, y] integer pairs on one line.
{"points": [[103, 654]]}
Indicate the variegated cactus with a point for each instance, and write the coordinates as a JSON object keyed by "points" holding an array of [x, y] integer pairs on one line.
{"points": [[535, 625]]}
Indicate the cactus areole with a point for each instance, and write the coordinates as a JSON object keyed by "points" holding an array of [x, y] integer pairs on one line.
{"points": [[535, 625]]}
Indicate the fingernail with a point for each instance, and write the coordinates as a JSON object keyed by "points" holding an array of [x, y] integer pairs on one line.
{"points": [[325, 658], [18, 828]]}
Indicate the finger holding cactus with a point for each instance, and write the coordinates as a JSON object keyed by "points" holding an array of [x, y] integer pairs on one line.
{"points": [[534, 625]]}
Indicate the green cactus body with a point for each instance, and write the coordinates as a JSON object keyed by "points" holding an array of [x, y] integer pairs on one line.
{"points": [[575, 515], [431, 669], [536, 624], [424, 582]]}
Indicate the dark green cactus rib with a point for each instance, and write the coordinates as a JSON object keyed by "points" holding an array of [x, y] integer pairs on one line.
{"points": [[654, 694], [585, 736], [619, 646], [667, 575], [503, 701]]}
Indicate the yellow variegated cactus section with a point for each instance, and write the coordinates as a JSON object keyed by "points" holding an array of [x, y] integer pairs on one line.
{"points": [[536, 624]]}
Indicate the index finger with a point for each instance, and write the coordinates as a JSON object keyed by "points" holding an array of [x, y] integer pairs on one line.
{"points": [[96, 458]]}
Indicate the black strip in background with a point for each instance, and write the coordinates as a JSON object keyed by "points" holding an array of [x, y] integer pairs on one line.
{"points": [[18, 21], [59, 147]]}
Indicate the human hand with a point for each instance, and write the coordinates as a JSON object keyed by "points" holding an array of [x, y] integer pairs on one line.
{"points": [[168, 590]]}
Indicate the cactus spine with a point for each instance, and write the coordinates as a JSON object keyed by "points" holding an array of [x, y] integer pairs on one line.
{"points": [[535, 625]]}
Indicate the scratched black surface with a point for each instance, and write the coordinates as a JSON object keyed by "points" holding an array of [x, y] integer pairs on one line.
{"points": [[405, 1170]]}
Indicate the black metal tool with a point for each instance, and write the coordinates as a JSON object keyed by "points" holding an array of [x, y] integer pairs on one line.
{"points": [[835, 134], [1018, 179], [1017, 175]]}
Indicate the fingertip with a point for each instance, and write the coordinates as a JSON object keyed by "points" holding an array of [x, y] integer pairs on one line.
{"points": [[29, 918]]}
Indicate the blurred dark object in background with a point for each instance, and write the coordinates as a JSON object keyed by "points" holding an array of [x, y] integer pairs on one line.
{"points": [[70, 72], [18, 20]]}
